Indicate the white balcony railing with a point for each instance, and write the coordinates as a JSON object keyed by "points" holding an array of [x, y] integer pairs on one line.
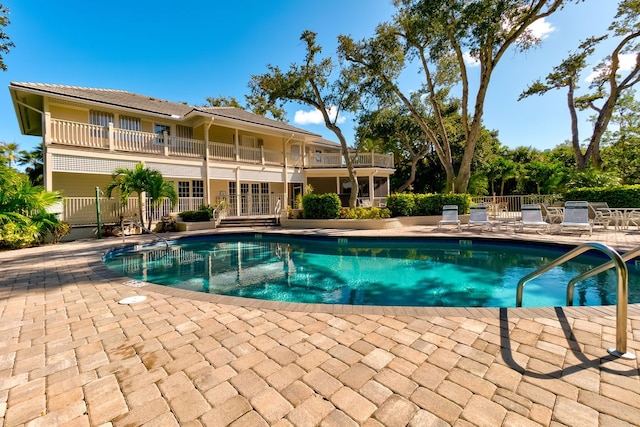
{"points": [[115, 139]]}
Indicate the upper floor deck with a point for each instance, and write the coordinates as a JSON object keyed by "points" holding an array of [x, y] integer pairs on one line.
{"points": [[110, 138]]}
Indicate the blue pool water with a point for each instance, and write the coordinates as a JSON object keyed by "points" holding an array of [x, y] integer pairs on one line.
{"points": [[405, 272]]}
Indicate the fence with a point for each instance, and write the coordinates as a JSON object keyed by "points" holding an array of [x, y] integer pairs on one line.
{"points": [[514, 203]]}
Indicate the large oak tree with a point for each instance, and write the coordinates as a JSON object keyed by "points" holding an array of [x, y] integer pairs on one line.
{"points": [[439, 37]]}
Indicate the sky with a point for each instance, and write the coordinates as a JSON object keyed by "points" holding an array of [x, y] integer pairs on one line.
{"points": [[188, 51]]}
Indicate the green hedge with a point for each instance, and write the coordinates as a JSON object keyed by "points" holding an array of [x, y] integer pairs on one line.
{"points": [[196, 216], [409, 204], [321, 206], [364, 213], [627, 196]]}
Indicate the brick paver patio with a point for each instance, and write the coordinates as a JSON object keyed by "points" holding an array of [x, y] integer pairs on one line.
{"points": [[71, 355]]}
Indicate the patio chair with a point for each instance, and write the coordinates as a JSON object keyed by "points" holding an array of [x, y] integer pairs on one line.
{"points": [[599, 216], [478, 216], [552, 214], [532, 217], [450, 216], [576, 216]]}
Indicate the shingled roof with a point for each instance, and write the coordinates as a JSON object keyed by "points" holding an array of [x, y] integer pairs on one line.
{"points": [[147, 104]]}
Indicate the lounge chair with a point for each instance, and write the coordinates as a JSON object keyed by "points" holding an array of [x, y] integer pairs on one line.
{"points": [[532, 217], [576, 216], [450, 216], [478, 216]]}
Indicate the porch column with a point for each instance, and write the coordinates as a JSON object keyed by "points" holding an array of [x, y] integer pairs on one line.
{"points": [[238, 192], [48, 158], [236, 142], [371, 189], [207, 173]]}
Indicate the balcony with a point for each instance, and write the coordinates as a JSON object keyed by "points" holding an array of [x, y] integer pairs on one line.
{"points": [[109, 138]]}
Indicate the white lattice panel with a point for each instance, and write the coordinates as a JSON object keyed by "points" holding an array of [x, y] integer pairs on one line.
{"points": [[261, 176], [63, 163], [218, 173], [176, 171]]}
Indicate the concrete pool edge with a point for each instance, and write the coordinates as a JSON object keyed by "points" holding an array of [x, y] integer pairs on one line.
{"points": [[468, 312]]}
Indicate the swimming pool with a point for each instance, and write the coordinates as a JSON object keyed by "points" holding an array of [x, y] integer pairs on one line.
{"points": [[370, 271]]}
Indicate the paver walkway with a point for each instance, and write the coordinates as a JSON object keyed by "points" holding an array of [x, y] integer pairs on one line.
{"points": [[71, 355]]}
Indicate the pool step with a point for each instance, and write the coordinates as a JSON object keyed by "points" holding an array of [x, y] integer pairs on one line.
{"points": [[248, 222]]}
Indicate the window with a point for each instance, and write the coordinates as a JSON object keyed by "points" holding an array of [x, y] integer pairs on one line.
{"points": [[130, 123], [100, 118], [159, 130], [183, 189], [198, 189], [247, 141], [184, 132]]}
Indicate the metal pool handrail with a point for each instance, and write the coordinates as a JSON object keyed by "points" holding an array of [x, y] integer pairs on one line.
{"points": [[133, 221], [622, 277]]}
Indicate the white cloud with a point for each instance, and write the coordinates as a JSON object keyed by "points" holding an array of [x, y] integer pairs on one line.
{"points": [[470, 60], [626, 62], [314, 117], [541, 29]]}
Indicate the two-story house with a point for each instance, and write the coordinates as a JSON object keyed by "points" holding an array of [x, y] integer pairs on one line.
{"points": [[210, 154]]}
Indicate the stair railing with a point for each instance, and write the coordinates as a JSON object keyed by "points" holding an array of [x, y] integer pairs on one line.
{"points": [[622, 278]]}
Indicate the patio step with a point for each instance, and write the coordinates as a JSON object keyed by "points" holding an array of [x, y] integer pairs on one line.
{"points": [[248, 222]]}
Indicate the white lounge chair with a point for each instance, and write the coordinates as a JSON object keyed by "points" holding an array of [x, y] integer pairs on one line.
{"points": [[576, 216], [532, 217], [478, 216], [450, 216]]}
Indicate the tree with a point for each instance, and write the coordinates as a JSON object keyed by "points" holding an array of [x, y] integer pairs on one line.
{"points": [[139, 181], [440, 35], [621, 146], [312, 83], [5, 43], [398, 133], [223, 101], [608, 85], [158, 190], [33, 161], [9, 151]]}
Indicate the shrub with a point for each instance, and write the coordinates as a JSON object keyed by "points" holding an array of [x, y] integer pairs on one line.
{"points": [[321, 206], [196, 216], [14, 235], [365, 213], [60, 230], [409, 204], [401, 204], [627, 196]]}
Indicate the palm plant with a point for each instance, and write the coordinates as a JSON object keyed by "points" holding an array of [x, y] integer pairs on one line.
{"points": [[8, 151], [24, 219], [141, 180], [158, 190]]}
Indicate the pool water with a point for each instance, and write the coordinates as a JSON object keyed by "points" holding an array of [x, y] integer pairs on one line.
{"points": [[366, 271]]}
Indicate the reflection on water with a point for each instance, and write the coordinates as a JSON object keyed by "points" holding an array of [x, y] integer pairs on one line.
{"points": [[368, 272]]}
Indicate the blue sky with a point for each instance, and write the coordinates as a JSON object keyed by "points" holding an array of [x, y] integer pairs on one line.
{"points": [[188, 51]]}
